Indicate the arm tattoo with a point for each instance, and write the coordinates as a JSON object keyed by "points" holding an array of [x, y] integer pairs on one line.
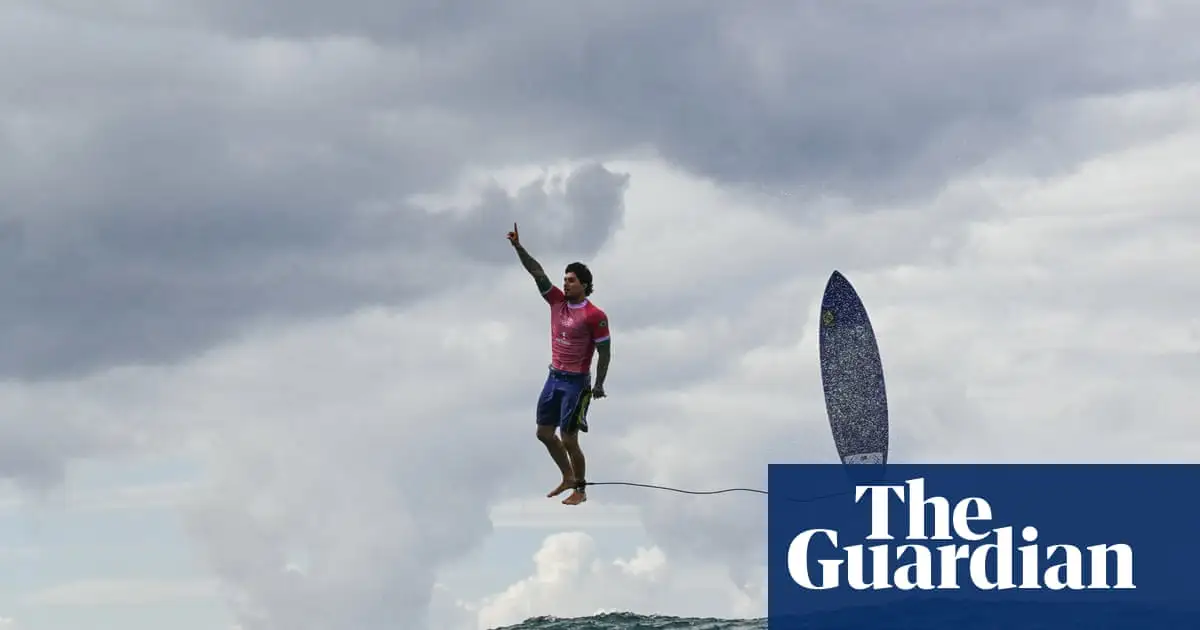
{"points": [[534, 269]]}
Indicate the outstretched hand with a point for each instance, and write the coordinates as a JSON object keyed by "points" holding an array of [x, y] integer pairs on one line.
{"points": [[513, 237]]}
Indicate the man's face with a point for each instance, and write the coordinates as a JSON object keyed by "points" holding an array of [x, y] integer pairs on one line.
{"points": [[572, 287]]}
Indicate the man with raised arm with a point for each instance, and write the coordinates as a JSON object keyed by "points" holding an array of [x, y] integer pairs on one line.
{"points": [[577, 329]]}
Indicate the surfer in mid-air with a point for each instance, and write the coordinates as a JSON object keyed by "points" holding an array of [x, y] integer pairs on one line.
{"points": [[578, 329]]}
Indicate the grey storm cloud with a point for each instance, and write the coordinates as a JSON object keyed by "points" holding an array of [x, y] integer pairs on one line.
{"points": [[153, 283], [864, 100], [162, 186], [146, 222]]}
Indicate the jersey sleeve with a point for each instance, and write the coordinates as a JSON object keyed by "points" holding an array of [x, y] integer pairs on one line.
{"points": [[599, 326], [553, 295]]}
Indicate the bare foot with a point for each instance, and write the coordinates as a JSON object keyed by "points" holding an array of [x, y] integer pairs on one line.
{"points": [[566, 484], [576, 498]]}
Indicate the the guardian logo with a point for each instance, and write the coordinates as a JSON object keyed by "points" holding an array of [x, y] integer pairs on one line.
{"points": [[985, 555]]}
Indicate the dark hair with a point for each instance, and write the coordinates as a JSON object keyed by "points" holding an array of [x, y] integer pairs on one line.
{"points": [[584, 274]]}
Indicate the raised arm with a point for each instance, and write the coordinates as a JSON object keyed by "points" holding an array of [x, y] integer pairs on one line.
{"points": [[532, 266]]}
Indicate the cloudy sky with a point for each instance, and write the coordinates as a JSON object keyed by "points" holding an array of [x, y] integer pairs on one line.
{"points": [[269, 361]]}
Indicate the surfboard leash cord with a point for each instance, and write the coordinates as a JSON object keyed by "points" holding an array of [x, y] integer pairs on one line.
{"points": [[584, 484]]}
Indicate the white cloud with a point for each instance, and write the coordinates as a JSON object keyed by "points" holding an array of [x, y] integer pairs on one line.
{"points": [[571, 580]]}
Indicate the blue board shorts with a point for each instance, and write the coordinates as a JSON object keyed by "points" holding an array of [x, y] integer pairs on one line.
{"points": [[564, 401]]}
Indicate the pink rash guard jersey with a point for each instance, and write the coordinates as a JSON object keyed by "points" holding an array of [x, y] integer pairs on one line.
{"points": [[575, 329]]}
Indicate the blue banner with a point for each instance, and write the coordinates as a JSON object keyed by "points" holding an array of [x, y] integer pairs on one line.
{"points": [[982, 545]]}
